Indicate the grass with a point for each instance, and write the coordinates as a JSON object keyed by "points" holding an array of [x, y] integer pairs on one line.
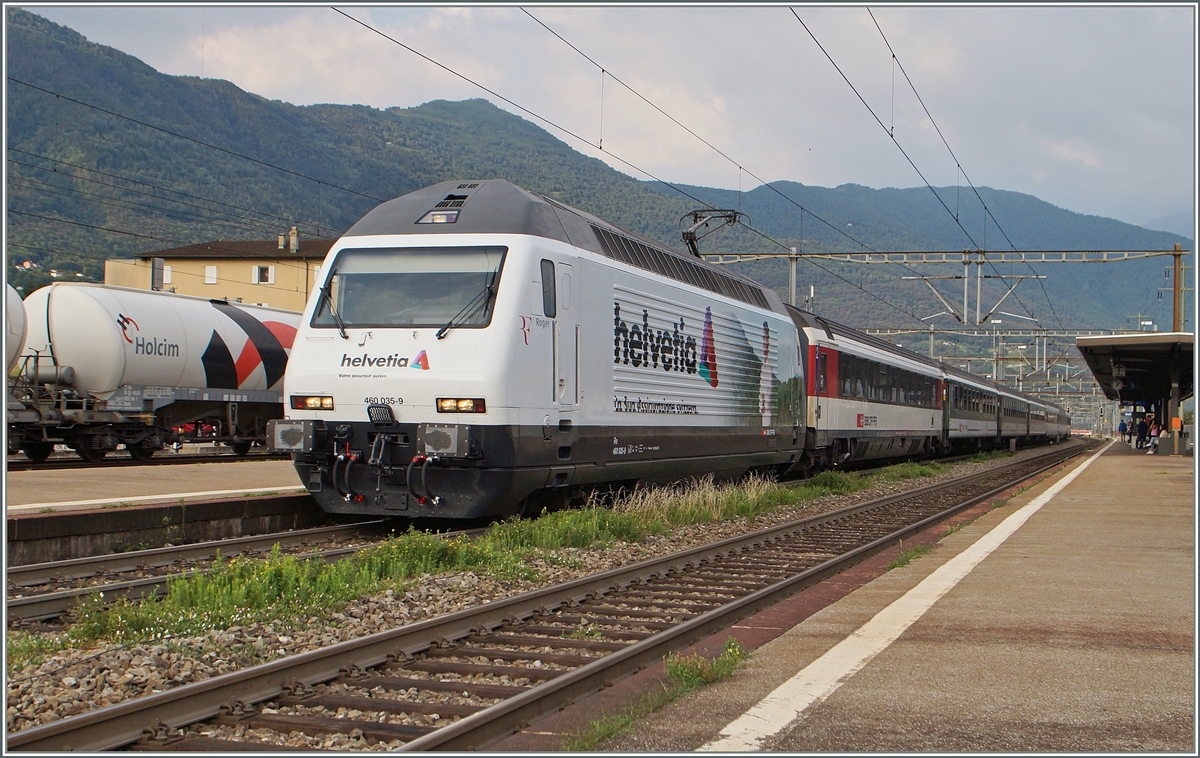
{"points": [[908, 555], [684, 674], [991, 455], [952, 529]]}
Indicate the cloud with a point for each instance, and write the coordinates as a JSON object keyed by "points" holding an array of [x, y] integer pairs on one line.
{"points": [[1074, 151]]}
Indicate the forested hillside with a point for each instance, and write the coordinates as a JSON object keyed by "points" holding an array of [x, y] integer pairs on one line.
{"points": [[85, 185]]}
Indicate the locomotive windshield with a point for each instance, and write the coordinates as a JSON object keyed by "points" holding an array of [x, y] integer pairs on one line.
{"points": [[411, 287]]}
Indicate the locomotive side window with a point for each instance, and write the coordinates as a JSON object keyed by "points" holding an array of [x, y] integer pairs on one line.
{"points": [[411, 287], [549, 299]]}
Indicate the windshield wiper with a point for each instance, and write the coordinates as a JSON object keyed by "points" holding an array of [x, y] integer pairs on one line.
{"points": [[329, 299], [468, 310]]}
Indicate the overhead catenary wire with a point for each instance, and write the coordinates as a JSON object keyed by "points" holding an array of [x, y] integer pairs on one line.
{"points": [[740, 169], [576, 136], [690, 131], [903, 152], [518, 106], [957, 164]]}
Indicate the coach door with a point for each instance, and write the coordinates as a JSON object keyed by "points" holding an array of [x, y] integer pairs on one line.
{"points": [[820, 384], [566, 340]]}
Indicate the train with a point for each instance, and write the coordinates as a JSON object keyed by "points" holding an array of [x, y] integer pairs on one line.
{"points": [[475, 350], [101, 368]]}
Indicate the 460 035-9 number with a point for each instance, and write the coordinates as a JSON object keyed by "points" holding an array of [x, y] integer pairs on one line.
{"points": [[383, 400]]}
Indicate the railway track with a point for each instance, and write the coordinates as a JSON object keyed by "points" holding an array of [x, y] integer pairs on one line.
{"points": [[463, 680], [116, 461]]}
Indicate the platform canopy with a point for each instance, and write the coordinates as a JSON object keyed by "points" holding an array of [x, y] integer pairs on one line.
{"points": [[1141, 367]]}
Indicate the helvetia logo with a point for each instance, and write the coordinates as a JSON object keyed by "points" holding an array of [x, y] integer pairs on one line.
{"points": [[667, 349], [395, 360], [708, 353]]}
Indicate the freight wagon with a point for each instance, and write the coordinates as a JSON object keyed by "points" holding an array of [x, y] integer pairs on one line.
{"points": [[108, 367]]}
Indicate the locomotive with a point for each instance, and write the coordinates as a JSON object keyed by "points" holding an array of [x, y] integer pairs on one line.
{"points": [[473, 350], [104, 367]]}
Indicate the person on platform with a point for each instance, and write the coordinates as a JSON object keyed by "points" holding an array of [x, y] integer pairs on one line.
{"points": [[1122, 429], [1142, 429], [1155, 431]]}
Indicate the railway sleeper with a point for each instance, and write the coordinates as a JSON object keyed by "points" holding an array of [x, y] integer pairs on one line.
{"points": [[675, 594], [471, 669], [607, 633], [558, 642], [678, 617], [700, 582], [516, 655], [403, 683], [315, 726], [591, 620], [201, 743], [379, 704]]}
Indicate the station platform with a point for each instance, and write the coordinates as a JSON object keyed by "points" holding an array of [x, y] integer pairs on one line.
{"points": [[37, 491], [1051, 621]]}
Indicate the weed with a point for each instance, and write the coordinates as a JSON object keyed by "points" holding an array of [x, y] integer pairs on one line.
{"points": [[991, 455], [32, 649], [952, 529], [586, 632], [689, 672], [907, 555], [702, 501], [684, 673], [909, 470]]}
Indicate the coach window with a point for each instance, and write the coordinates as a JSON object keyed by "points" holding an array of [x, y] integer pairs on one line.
{"points": [[822, 368], [549, 301]]}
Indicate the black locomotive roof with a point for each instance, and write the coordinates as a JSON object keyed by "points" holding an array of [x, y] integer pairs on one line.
{"points": [[495, 206]]}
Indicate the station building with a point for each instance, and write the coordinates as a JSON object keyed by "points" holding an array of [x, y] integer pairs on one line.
{"points": [[279, 273]]}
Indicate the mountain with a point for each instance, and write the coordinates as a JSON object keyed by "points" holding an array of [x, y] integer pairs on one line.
{"points": [[199, 159], [1181, 223]]}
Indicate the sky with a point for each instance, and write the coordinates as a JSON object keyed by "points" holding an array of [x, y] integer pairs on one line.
{"points": [[1092, 109]]}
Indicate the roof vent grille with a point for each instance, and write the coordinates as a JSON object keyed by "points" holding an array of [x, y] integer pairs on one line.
{"points": [[468, 186], [452, 201], [622, 248]]}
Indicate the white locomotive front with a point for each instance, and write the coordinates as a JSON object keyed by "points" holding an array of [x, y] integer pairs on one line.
{"points": [[473, 349]]}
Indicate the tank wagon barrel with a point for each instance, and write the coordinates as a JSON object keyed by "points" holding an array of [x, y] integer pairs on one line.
{"points": [[473, 349], [109, 366], [14, 326]]}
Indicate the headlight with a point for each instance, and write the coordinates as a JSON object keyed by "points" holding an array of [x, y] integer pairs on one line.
{"points": [[312, 403], [461, 405]]}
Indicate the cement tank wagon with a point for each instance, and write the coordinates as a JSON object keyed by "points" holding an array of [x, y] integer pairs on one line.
{"points": [[138, 368]]}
